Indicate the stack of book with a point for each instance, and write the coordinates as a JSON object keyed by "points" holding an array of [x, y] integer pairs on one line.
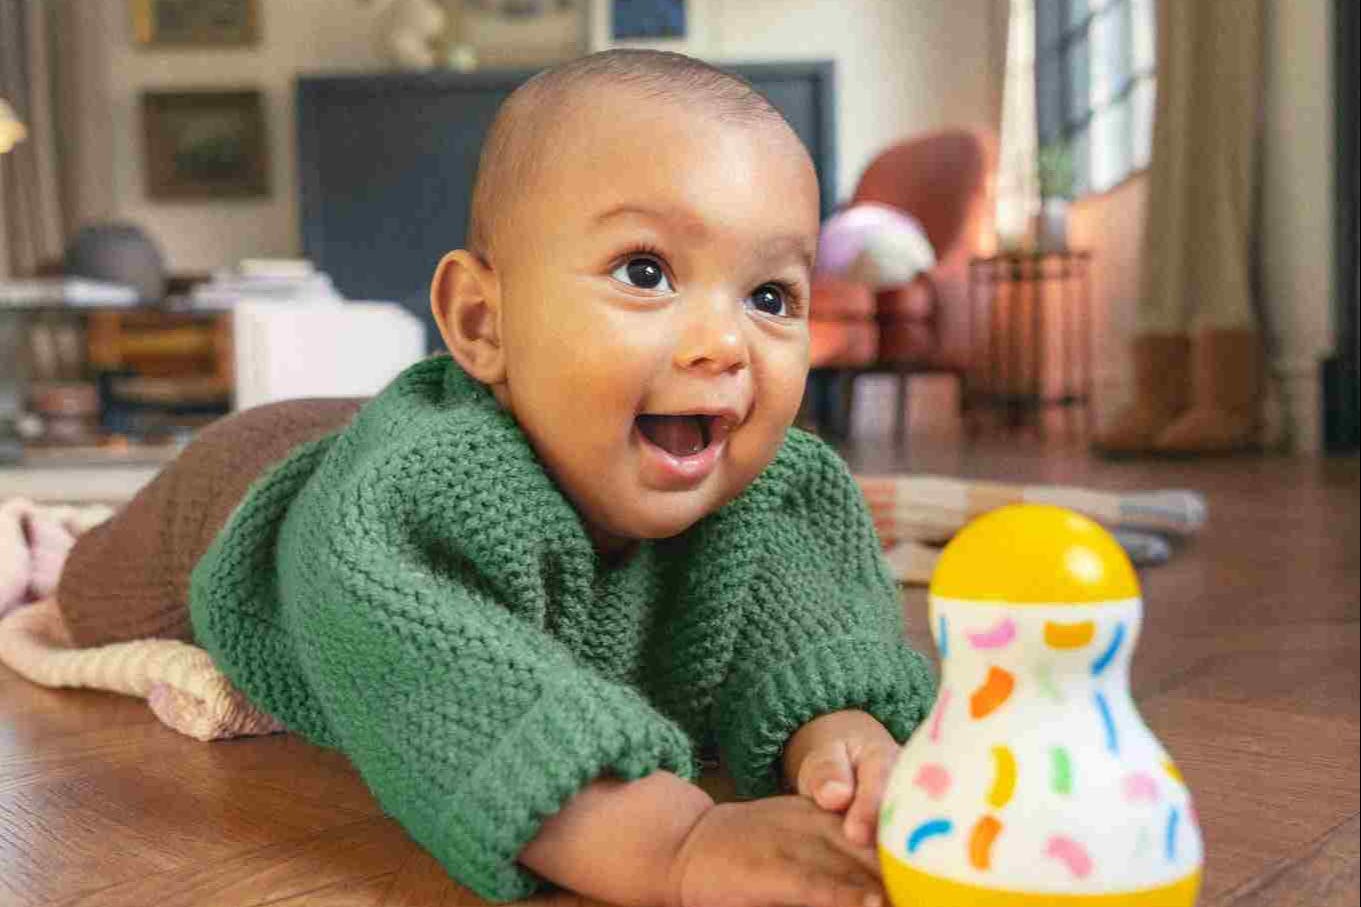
{"points": [[264, 280]]}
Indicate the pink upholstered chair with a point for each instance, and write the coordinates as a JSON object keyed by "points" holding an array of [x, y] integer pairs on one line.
{"points": [[941, 179]]}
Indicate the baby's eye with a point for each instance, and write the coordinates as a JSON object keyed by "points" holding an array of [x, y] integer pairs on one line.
{"points": [[644, 273], [770, 298]]}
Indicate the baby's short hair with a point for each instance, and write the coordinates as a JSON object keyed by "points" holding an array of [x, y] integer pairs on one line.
{"points": [[510, 152]]}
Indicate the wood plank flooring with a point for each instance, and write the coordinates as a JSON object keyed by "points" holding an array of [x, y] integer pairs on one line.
{"points": [[1247, 671]]}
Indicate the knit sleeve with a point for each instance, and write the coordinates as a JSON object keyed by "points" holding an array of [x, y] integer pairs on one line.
{"points": [[469, 729], [466, 718], [469, 725], [821, 623]]}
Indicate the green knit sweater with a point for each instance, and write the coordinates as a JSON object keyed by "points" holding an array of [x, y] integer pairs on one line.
{"points": [[416, 592]]}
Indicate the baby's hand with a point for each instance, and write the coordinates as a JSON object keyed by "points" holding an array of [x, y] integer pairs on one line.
{"points": [[777, 852], [849, 775]]}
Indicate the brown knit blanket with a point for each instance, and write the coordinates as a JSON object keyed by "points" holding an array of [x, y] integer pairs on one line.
{"points": [[128, 578]]}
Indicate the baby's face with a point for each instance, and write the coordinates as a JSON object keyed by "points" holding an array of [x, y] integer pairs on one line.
{"points": [[654, 299]]}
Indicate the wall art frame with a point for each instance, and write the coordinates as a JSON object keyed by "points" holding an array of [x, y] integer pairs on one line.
{"points": [[205, 144], [195, 23]]}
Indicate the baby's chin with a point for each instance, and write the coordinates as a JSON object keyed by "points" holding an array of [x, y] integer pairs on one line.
{"points": [[656, 516]]}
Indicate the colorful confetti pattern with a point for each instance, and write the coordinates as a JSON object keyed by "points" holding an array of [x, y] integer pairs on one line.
{"points": [[1008, 663]]}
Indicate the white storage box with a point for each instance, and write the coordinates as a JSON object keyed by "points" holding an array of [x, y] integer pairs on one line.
{"points": [[320, 349]]}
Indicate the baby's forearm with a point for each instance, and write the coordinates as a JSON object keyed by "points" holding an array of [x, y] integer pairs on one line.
{"points": [[617, 841]]}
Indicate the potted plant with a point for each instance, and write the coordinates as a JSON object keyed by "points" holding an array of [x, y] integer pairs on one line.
{"points": [[1057, 181]]}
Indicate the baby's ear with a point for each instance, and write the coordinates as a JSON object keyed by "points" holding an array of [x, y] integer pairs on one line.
{"points": [[465, 299]]}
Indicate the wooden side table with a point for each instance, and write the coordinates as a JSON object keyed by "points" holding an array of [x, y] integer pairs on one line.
{"points": [[1030, 335], [159, 371]]}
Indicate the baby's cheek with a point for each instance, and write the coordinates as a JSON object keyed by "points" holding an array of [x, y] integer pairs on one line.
{"points": [[785, 392], [751, 448]]}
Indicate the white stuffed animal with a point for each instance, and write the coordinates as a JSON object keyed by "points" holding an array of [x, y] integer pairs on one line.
{"points": [[409, 31], [874, 244]]}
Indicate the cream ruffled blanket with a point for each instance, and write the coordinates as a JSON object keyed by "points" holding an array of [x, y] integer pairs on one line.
{"points": [[178, 680]]}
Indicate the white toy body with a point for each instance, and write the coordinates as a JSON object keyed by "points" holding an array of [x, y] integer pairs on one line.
{"points": [[1034, 780]]}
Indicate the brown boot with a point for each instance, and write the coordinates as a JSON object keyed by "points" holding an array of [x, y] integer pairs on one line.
{"points": [[1162, 385], [1226, 412]]}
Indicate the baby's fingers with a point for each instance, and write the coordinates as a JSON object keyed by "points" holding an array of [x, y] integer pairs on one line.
{"points": [[872, 774], [827, 777]]}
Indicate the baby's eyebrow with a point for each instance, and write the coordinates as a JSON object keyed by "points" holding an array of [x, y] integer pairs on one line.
{"points": [[690, 223], [787, 244]]}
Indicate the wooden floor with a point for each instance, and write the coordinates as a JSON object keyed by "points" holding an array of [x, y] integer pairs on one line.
{"points": [[1247, 671]]}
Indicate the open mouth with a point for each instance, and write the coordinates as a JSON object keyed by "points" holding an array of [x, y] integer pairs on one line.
{"points": [[682, 435]]}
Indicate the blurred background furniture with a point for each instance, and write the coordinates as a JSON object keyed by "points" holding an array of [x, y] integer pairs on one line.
{"points": [[160, 373], [107, 358], [941, 179], [1033, 344], [101, 365], [103, 384]]}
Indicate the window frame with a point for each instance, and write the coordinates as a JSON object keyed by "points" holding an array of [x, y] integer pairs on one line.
{"points": [[1057, 118]]}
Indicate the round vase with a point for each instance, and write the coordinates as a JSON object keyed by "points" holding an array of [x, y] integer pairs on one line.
{"points": [[1034, 781]]}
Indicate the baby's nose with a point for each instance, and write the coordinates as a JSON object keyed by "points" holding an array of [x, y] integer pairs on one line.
{"points": [[712, 336]]}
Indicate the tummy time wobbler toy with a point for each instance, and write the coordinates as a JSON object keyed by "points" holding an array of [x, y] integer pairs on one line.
{"points": [[1034, 781]]}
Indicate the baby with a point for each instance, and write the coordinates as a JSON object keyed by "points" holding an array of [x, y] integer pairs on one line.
{"points": [[533, 583]]}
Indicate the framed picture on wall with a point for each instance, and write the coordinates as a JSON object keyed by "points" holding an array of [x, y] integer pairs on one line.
{"points": [[195, 23], [679, 25], [205, 144], [647, 20]]}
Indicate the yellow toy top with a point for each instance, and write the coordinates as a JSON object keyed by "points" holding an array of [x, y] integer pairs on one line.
{"points": [[1033, 554]]}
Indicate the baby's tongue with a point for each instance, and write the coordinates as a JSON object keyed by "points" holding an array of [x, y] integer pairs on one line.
{"points": [[682, 436]]}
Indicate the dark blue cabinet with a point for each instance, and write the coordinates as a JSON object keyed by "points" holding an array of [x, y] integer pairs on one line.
{"points": [[386, 165]]}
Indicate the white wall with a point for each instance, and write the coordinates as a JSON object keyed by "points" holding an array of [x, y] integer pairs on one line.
{"points": [[902, 67], [105, 158]]}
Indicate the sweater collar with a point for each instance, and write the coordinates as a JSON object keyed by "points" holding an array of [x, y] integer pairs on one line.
{"points": [[499, 507]]}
